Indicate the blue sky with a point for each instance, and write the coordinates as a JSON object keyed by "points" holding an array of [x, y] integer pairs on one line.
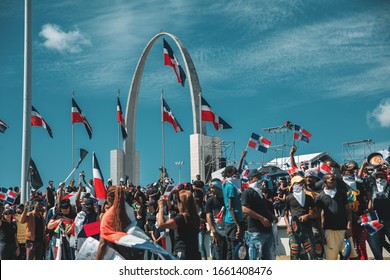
{"points": [[321, 64]]}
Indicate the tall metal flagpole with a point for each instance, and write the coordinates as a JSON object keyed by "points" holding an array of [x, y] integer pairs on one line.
{"points": [[72, 139], [201, 171], [117, 155], [162, 132], [27, 100]]}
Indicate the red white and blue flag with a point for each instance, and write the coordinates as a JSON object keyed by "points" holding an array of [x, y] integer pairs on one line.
{"points": [[120, 119], [78, 117], [3, 126], [37, 120], [244, 176], [7, 195], [368, 217], [98, 181], [259, 143], [170, 60], [324, 169], [293, 169], [301, 134], [169, 117], [373, 227], [208, 115]]}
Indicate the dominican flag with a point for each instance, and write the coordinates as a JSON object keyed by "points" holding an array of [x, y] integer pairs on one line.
{"points": [[3, 193], [301, 134], [373, 226], [170, 60], [169, 117], [324, 169], [98, 181], [11, 197], [368, 217], [37, 120], [3, 126], [208, 115], [120, 119], [71, 196], [292, 170], [259, 143], [78, 117], [244, 176]]}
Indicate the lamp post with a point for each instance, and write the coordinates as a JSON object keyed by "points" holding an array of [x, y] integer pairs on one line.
{"points": [[179, 163]]}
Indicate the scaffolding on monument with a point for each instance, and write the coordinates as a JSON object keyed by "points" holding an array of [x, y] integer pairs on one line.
{"points": [[281, 138], [219, 153], [357, 150]]}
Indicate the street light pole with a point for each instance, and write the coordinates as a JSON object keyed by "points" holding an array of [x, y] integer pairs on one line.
{"points": [[179, 163]]}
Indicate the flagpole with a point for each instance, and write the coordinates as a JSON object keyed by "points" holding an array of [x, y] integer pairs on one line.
{"points": [[162, 132], [201, 137], [27, 99], [72, 139], [118, 94], [117, 155]]}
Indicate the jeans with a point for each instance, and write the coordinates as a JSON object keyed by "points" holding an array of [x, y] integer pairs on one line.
{"points": [[202, 247], [302, 245], [50, 252], [218, 250], [232, 241], [261, 245], [377, 240]]}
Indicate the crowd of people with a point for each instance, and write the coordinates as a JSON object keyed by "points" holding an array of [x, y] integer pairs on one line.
{"points": [[328, 215]]}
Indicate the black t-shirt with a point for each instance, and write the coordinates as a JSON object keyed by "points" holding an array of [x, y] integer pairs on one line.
{"points": [[334, 210], [151, 219], [186, 238], [381, 203], [251, 199], [50, 195], [298, 210], [39, 223], [7, 232]]}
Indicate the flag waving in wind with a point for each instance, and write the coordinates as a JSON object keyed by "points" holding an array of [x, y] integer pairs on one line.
{"points": [[170, 60], [3, 126], [169, 117], [78, 117], [259, 143], [98, 181], [120, 119], [301, 134], [208, 115], [37, 120]]}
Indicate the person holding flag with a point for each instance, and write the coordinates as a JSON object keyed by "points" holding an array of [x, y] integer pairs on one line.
{"points": [[380, 202]]}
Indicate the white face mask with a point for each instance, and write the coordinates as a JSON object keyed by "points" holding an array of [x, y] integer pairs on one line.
{"points": [[256, 187], [381, 184], [299, 194], [350, 181]]}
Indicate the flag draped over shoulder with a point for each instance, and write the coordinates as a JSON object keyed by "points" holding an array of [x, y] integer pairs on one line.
{"points": [[209, 115], [78, 117], [120, 119], [37, 120], [301, 134], [170, 60], [169, 117], [3, 126], [259, 143], [98, 181]]}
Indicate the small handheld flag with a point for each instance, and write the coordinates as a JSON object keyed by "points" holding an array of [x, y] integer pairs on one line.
{"points": [[259, 143], [301, 134]]}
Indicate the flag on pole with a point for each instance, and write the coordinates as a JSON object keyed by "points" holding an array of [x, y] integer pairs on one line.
{"points": [[120, 119], [98, 181], [83, 154], [208, 115], [301, 134], [34, 177], [3, 126], [170, 60], [37, 120], [78, 117], [169, 117], [259, 143]]}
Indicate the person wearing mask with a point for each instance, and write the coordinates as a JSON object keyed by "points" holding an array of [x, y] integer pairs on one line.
{"points": [[9, 246]]}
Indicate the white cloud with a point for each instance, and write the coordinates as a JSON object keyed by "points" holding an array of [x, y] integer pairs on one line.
{"points": [[63, 42], [381, 113]]}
